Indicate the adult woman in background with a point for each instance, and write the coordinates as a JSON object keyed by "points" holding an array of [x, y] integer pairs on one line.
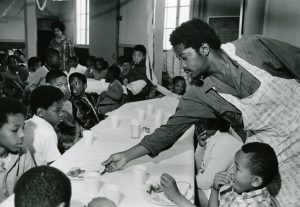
{"points": [[61, 43]]}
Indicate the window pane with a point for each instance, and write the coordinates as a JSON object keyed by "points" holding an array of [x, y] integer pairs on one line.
{"points": [[184, 2], [78, 3], [171, 3], [88, 37], [184, 14], [83, 7], [83, 35], [167, 44], [88, 6], [78, 36], [171, 17]]}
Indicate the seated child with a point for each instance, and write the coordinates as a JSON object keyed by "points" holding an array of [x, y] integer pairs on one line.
{"points": [[46, 103], [73, 66], [68, 130], [14, 159], [33, 64], [110, 100], [90, 64], [83, 104], [256, 166], [124, 64], [178, 89], [139, 85], [100, 69], [48, 187]]}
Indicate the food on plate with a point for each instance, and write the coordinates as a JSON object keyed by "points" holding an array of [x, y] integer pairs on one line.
{"points": [[76, 173], [154, 188]]}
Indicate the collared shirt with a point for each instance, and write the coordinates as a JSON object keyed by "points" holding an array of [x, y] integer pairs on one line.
{"points": [[256, 198], [41, 139], [11, 168]]}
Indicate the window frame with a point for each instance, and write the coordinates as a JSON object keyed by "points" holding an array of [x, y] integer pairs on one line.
{"points": [[87, 28], [177, 19]]}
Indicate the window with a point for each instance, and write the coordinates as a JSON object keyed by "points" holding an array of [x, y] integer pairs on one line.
{"points": [[82, 22], [176, 12]]}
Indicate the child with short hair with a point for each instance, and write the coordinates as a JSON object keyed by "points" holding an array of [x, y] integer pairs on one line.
{"points": [[139, 85], [100, 69], [84, 105], [256, 167], [111, 99], [46, 103], [14, 158], [68, 130], [179, 85]]}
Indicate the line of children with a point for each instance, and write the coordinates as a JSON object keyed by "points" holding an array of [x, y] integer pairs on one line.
{"points": [[14, 158], [46, 103], [68, 130]]}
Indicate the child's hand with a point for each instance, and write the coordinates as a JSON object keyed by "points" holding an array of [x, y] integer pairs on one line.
{"points": [[169, 186], [221, 179]]}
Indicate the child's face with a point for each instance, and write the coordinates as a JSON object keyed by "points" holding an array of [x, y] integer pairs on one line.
{"points": [[36, 66], [179, 87], [11, 133], [137, 57], [62, 84], [242, 175], [54, 113], [77, 87], [98, 66]]}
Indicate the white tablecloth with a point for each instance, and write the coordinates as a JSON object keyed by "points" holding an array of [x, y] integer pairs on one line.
{"points": [[96, 86], [177, 161]]}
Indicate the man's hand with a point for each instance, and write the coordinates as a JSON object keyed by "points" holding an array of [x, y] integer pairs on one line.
{"points": [[101, 202], [221, 179], [115, 162], [169, 187]]}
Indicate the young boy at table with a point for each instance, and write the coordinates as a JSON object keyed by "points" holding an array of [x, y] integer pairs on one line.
{"points": [[68, 130], [84, 105], [46, 186], [14, 158], [178, 88], [139, 85], [111, 99], [256, 166], [46, 103]]}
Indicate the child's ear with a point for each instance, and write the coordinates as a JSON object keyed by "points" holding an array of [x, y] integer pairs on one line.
{"points": [[40, 112], [204, 49], [257, 181]]}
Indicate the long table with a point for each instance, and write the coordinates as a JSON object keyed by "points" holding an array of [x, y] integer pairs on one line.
{"points": [[178, 161]]}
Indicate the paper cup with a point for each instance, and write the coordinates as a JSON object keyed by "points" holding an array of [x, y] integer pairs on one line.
{"points": [[92, 182], [141, 114], [88, 137], [139, 173], [113, 192], [102, 81], [149, 109], [114, 121], [135, 129]]}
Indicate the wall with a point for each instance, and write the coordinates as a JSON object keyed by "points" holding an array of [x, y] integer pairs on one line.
{"points": [[282, 20], [133, 27], [12, 25], [103, 29], [254, 14], [221, 8]]}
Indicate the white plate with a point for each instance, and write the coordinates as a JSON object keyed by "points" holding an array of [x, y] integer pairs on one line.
{"points": [[160, 198]]}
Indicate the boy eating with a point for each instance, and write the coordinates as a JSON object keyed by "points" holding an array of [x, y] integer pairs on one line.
{"points": [[46, 103], [256, 166], [14, 159]]}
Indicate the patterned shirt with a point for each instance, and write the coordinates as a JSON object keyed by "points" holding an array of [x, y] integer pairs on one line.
{"points": [[256, 198]]}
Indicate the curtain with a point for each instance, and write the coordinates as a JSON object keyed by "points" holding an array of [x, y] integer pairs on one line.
{"points": [[197, 9]]}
